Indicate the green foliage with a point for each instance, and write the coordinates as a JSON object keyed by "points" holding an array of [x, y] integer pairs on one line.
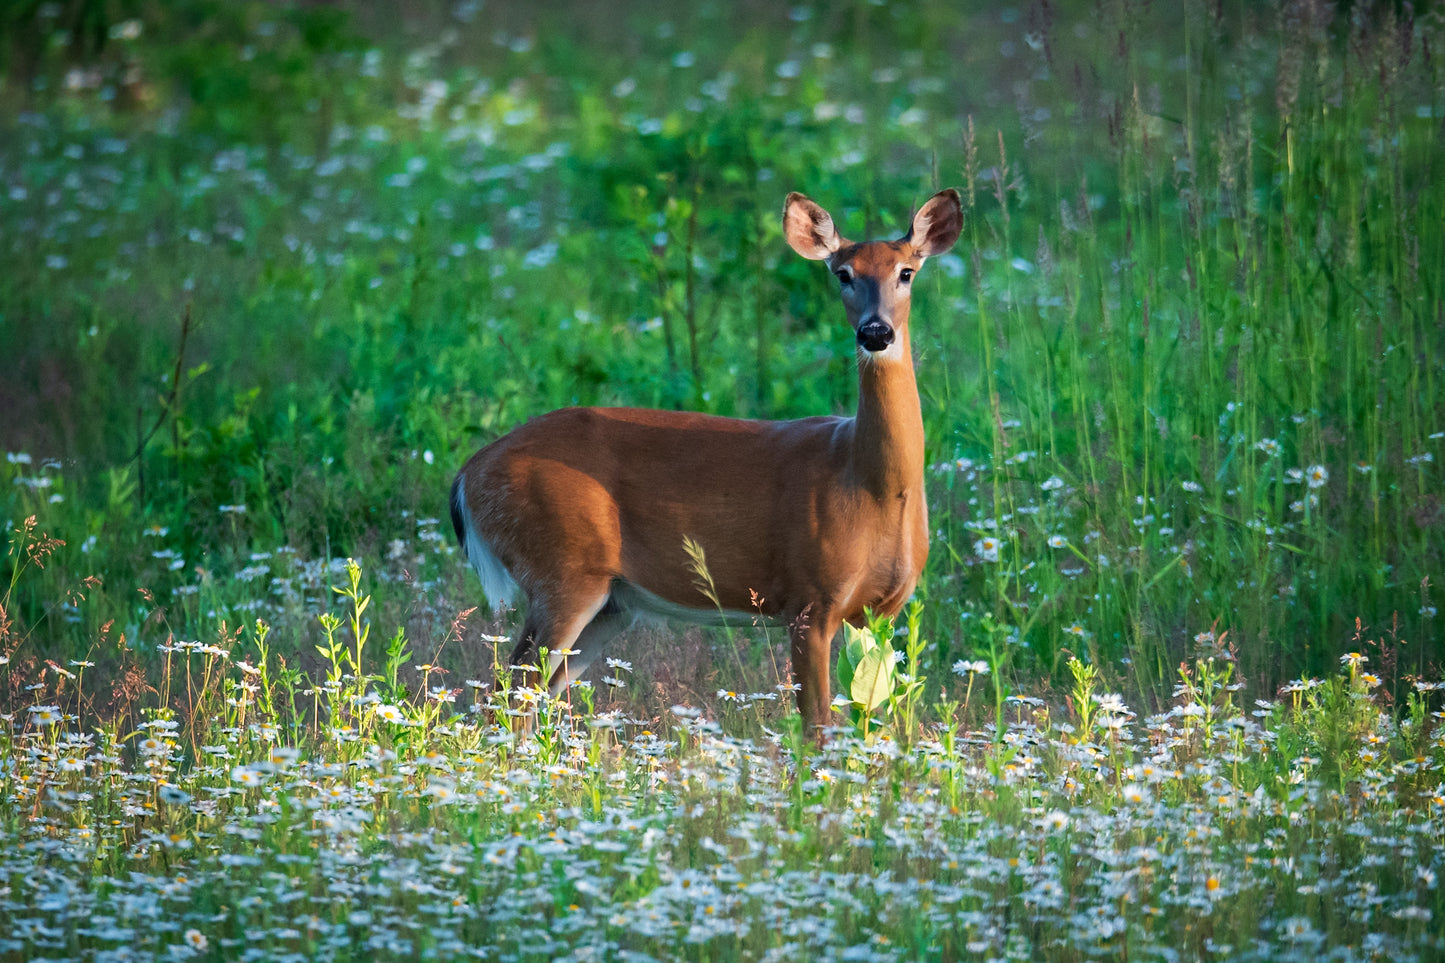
{"points": [[872, 677], [1200, 827], [867, 670], [273, 273]]}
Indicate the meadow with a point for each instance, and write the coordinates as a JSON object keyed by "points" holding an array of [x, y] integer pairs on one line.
{"points": [[1171, 686]]}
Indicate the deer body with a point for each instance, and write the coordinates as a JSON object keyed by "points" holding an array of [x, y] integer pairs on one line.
{"points": [[807, 521]]}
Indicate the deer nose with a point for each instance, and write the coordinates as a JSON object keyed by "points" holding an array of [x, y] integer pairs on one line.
{"points": [[875, 335]]}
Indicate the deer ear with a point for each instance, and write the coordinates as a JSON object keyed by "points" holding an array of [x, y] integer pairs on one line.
{"points": [[809, 229], [937, 224]]}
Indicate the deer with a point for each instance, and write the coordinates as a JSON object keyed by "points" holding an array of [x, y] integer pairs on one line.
{"points": [[812, 522]]}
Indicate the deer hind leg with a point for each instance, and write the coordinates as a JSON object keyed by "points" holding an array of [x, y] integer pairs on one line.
{"points": [[558, 622], [609, 622]]}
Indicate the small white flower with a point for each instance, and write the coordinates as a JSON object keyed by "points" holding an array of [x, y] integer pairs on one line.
{"points": [[173, 795], [987, 548], [246, 776], [1135, 794], [389, 713], [1316, 476]]}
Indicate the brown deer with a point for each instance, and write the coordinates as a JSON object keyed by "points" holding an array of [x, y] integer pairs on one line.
{"points": [[587, 509]]}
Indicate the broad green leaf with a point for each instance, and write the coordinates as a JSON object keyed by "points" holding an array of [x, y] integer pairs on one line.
{"points": [[858, 643], [845, 670], [873, 679]]}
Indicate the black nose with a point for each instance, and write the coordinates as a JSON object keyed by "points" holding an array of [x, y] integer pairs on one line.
{"points": [[875, 336]]}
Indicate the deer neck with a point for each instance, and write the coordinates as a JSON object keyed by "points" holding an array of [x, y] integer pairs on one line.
{"points": [[888, 432]]}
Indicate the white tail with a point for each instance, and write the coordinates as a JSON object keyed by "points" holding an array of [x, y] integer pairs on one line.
{"points": [[586, 509]]}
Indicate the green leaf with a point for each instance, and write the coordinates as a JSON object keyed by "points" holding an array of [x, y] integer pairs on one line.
{"points": [[858, 643], [873, 679]]}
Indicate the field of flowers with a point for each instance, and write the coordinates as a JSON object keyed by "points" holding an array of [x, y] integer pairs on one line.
{"points": [[373, 825], [1171, 688]]}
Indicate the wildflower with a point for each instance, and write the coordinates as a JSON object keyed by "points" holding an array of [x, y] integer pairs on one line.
{"points": [[1053, 484], [1269, 446], [1056, 820], [1297, 928], [173, 795], [1076, 630], [246, 776], [389, 713], [1354, 659], [1316, 476], [283, 756], [963, 667], [987, 548], [1057, 541], [45, 716], [196, 940], [1192, 486], [1135, 794], [1112, 702]]}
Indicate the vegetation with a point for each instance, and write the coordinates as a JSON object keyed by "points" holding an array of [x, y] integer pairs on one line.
{"points": [[274, 271]]}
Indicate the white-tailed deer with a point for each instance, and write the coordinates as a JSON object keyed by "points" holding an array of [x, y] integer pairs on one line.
{"points": [[587, 509]]}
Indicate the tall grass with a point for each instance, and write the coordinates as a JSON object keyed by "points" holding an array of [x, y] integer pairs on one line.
{"points": [[1180, 384], [238, 816], [272, 273]]}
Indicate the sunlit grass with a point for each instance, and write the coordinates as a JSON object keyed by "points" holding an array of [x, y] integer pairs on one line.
{"points": [[273, 273], [240, 819]]}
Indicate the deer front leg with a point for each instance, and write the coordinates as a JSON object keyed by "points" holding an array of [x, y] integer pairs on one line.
{"points": [[812, 636]]}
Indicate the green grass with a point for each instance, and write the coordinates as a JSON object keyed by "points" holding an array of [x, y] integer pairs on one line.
{"points": [[358, 821], [273, 273], [1179, 282]]}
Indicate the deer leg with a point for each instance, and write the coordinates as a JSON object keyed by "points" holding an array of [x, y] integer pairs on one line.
{"points": [[605, 626], [554, 623], [812, 636]]}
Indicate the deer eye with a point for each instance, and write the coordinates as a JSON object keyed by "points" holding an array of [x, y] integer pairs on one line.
{"points": [[844, 275], [905, 275]]}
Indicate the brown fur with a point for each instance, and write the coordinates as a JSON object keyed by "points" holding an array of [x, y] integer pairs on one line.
{"points": [[820, 515]]}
